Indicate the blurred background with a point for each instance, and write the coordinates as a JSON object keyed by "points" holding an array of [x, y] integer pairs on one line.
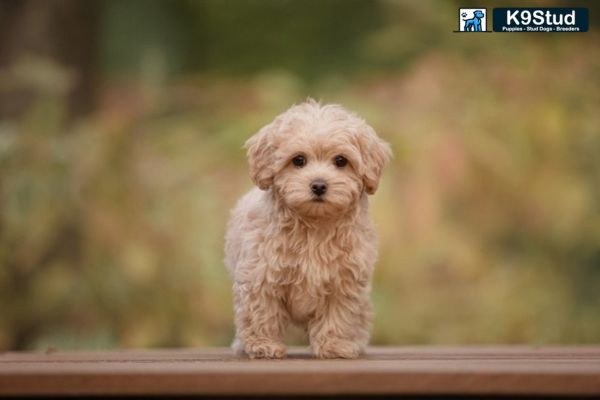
{"points": [[121, 133]]}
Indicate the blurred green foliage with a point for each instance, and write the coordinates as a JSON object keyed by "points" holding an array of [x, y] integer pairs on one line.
{"points": [[112, 223]]}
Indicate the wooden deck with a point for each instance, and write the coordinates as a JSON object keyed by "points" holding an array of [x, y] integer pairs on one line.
{"points": [[531, 371]]}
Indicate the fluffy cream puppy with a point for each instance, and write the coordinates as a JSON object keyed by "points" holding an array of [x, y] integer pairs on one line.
{"points": [[301, 247]]}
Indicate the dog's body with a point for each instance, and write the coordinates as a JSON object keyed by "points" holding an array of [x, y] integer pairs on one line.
{"points": [[303, 248]]}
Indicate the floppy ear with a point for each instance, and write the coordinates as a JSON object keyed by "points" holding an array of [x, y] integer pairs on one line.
{"points": [[260, 152], [375, 154]]}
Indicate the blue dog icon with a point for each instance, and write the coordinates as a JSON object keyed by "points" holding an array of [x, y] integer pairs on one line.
{"points": [[474, 24]]}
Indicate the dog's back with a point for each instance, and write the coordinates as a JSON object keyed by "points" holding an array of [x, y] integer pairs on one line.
{"points": [[248, 211]]}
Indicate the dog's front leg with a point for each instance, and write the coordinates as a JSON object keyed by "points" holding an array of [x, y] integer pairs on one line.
{"points": [[260, 321], [342, 330]]}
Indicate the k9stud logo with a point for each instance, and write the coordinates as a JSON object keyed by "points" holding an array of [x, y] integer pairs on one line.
{"points": [[472, 20], [541, 19], [521, 19]]}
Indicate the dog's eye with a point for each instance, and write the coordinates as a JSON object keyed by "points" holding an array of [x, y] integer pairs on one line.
{"points": [[299, 161], [340, 161]]}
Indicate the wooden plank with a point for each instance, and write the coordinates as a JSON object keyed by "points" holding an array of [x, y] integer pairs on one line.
{"points": [[402, 370]]}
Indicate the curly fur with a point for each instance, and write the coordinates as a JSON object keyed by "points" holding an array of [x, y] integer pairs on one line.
{"points": [[296, 260]]}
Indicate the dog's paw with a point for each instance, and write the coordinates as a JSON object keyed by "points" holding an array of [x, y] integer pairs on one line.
{"points": [[338, 348], [265, 349]]}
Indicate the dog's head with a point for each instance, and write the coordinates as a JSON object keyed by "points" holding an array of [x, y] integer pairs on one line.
{"points": [[478, 14], [318, 159]]}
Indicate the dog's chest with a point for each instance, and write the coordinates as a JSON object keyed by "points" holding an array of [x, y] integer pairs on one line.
{"points": [[307, 272]]}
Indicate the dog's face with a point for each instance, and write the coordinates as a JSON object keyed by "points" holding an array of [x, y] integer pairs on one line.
{"points": [[478, 14], [317, 159]]}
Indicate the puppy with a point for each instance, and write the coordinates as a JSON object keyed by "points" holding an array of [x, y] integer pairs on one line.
{"points": [[301, 247]]}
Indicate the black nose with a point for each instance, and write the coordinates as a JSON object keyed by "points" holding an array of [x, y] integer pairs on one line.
{"points": [[318, 187]]}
